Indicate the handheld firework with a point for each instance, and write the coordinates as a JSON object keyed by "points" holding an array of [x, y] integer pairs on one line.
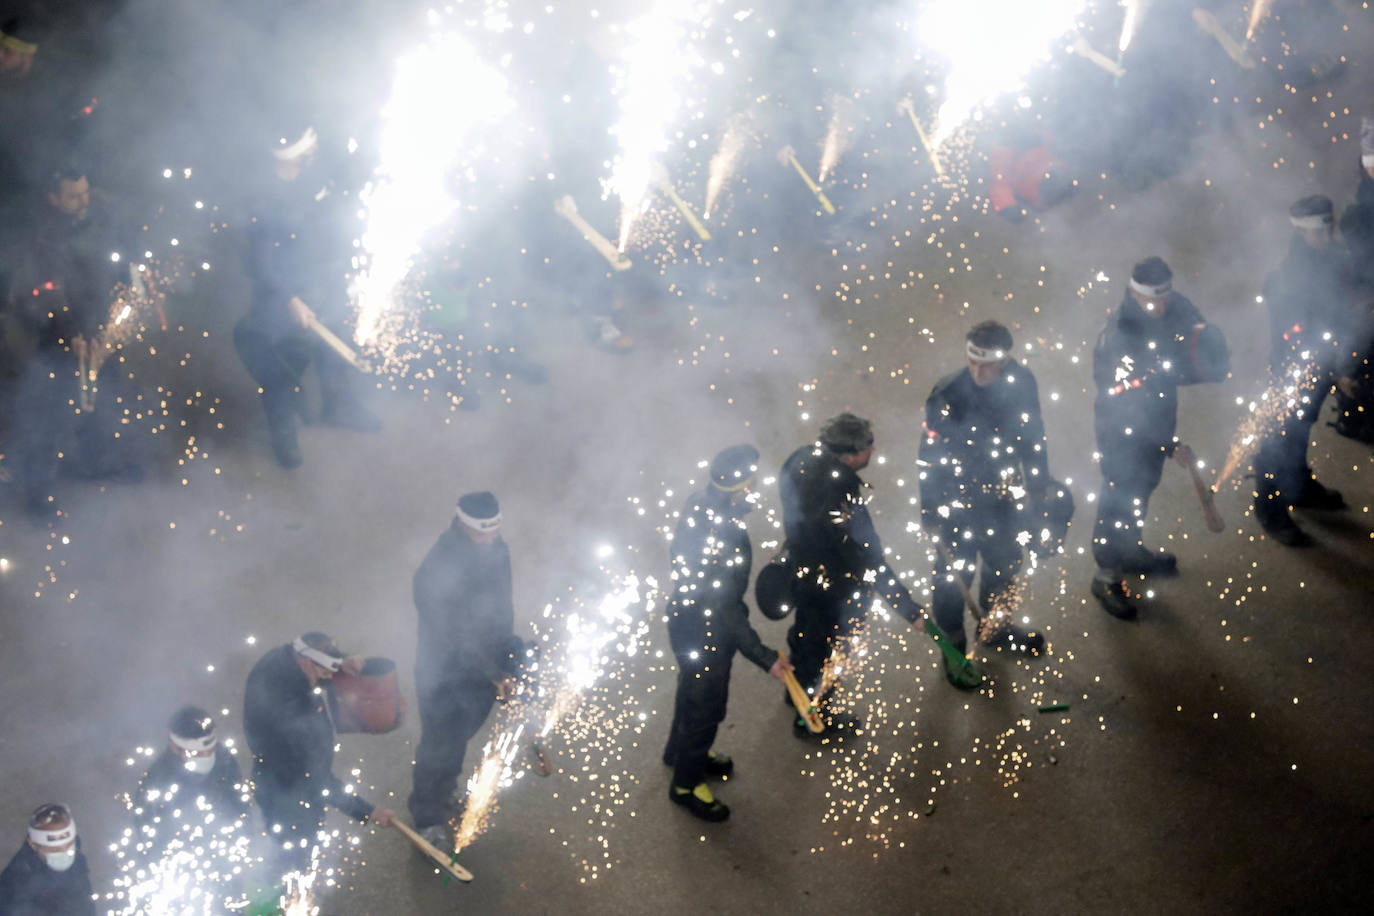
{"points": [[787, 156], [566, 207]]}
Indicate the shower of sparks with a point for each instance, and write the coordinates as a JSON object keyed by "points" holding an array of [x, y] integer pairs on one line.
{"points": [[298, 895], [1259, 9], [650, 78], [988, 47], [1266, 413], [494, 773], [1130, 23], [444, 100], [737, 136], [839, 137]]}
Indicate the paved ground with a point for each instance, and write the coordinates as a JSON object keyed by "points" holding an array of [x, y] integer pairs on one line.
{"points": [[1217, 755]]}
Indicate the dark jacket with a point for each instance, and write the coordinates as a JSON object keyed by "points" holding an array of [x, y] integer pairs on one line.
{"points": [[1313, 304], [68, 273], [28, 887], [980, 441], [711, 557], [168, 787], [828, 528], [1138, 365], [1364, 191], [290, 730], [296, 248], [462, 592]]}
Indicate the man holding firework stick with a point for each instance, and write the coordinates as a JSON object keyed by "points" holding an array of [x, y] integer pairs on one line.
{"points": [[838, 557], [984, 457], [1156, 341], [288, 719], [297, 261], [708, 622], [468, 652], [1312, 300]]}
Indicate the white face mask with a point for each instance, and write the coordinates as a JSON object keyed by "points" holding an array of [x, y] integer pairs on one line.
{"points": [[60, 861], [201, 765]]}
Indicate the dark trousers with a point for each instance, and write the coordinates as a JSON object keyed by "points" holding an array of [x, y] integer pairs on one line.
{"points": [[277, 362], [50, 436], [823, 616], [1001, 562], [1281, 469], [698, 709], [283, 807], [1130, 474], [449, 717]]}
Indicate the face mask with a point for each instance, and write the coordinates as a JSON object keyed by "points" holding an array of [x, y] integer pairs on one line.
{"points": [[61, 861], [200, 765]]}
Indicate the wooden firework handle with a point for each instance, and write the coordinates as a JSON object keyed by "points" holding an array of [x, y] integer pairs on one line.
{"points": [[702, 232], [566, 207], [970, 602], [332, 340], [1205, 498], [805, 708], [787, 156], [443, 861]]}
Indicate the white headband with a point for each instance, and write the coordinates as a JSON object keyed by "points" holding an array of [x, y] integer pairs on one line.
{"points": [[1367, 160], [203, 743], [980, 355], [1317, 221], [53, 836], [1149, 291], [323, 659], [306, 144], [483, 525]]}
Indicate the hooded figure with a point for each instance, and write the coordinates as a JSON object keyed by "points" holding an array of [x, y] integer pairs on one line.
{"points": [[48, 875]]}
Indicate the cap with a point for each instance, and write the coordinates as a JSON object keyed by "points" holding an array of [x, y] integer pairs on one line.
{"points": [[735, 468], [479, 511], [1313, 212], [320, 649], [192, 729]]}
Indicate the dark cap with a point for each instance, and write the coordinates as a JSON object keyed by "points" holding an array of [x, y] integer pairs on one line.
{"points": [[735, 467], [191, 722], [847, 433], [1312, 212]]}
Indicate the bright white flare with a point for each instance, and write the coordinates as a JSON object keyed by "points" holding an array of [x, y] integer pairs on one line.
{"points": [[650, 77], [442, 95], [839, 137], [988, 47], [1135, 9]]}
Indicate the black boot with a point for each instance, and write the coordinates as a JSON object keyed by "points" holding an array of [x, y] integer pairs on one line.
{"points": [[281, 428], [1115, 598], [1009, 637], [699, 801]]}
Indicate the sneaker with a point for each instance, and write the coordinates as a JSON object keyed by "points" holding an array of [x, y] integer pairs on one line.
{"points": [[1150, 563], [719, 766], [1323, 499], [1115, 598], [700, 802], [1009, 637]]}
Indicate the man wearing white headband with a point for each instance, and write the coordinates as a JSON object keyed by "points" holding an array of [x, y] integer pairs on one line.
{"points": [[1312, 302], [299, 254], [1147, 350], [468, 653], [288, 721], [983, 458], [194, 782], [48, 874]]}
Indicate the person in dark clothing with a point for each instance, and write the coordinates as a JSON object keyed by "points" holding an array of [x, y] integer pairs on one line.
{"points": [[297, 262], [1144, 354], [288, 721], [708, 622], [194, 784], [468, 653], [1355, 403], [62, 297], [984, 457], [836, 552], [48, 875], [1312, 300]]}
